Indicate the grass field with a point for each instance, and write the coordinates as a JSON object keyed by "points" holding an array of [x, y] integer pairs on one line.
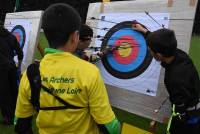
{"points": [[124, 116], [195, 51]]}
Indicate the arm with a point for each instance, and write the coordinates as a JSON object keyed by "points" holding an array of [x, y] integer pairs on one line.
{"points": [[100, 108], [112, 127], [24, 109], [179, 95], [182, 86], [140, 28]]}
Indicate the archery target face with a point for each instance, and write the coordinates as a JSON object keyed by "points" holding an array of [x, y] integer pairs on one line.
{"points": [[131, 56], [130, 66], [20, 34], [21, 29]]}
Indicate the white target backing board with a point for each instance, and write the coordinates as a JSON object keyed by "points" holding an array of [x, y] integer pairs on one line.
{"points": [[141, 71], [25, 26], [179, 17], [21, 30]]}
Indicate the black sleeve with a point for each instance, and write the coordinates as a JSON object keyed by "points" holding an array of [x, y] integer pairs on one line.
{"points": [[180, 89], [17, 49], [179, 96], [24, 126]]}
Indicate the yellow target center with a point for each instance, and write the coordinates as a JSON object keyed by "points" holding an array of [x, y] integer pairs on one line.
{"points": [[124, 49]]}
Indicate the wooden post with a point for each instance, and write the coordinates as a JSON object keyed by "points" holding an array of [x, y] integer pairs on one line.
{"points": [[104, 1], [192, 2], [102, 5], [170, 3], [40, 49], [153, 126]]}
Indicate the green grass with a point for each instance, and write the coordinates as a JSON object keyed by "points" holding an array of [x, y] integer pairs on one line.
{"points": [[43, 43], [195, 51], [138, 121], [124, 116]]}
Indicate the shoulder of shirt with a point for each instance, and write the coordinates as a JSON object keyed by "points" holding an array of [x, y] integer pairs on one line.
{"points": [[183, 58], [82, 63], [86, 64], [182, 65]]}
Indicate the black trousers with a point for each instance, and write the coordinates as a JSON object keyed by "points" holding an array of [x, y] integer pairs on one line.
{"points": [[8, 93], [181, 126], [24, 126]]}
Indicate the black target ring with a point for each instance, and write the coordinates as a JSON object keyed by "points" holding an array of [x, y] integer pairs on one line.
{"points": [[19, 32], [125, 74]]}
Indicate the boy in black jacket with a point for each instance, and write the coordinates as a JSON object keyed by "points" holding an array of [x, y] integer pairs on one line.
{"points": [[181, 79]]}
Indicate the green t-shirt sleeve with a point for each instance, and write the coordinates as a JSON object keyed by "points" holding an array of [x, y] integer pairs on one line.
{"points": [[113, 127]]}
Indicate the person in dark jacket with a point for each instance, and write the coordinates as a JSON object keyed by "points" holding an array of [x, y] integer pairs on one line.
{"points": [[85, 38], [181, 79], [9, 47]]}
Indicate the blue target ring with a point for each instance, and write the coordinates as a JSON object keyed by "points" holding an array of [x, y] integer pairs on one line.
{"points": [[142, 50], [19, 32], [136, 66]]}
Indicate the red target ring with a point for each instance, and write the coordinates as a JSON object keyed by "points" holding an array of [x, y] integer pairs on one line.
{"points": [[127, 50]]}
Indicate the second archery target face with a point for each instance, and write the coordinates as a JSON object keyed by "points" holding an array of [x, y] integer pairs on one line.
{"points": [[21, 29], [20, 34], [129, 66], [25, 26], [130, 56]]}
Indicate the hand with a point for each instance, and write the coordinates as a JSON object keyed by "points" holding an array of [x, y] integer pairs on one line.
{"points": [[139, 28], [85, 57], [107, 50], [93, 58]]}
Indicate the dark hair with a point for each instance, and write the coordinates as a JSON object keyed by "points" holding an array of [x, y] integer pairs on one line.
{"points": [[85, 32], [58, 22], [163, 41]]}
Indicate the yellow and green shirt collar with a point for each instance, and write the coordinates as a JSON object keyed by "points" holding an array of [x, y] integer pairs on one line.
{"points": [[52, 51]]}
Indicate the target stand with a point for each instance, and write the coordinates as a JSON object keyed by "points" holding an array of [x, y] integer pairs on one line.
{"points": [[120, 65], [25, 26]]}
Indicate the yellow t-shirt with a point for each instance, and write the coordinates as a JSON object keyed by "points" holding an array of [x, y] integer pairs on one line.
{"points": [[77, 82]]}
